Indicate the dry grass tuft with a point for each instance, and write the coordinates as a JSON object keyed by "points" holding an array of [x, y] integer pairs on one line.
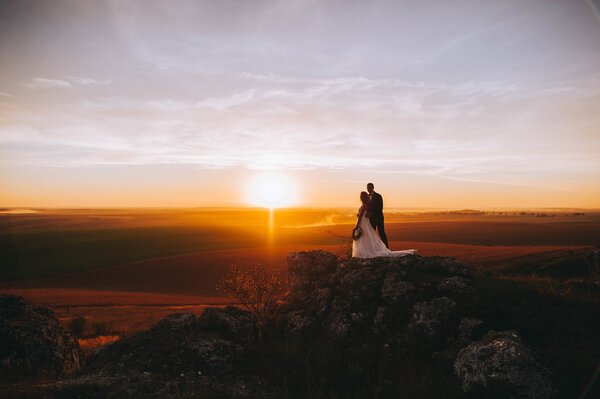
{"points": [[90, 344]]}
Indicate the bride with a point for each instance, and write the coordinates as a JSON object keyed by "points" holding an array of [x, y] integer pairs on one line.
{"points": [[368, 244]]}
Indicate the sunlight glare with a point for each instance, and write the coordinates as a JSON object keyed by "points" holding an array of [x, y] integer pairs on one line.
{"points": [[272, 191]]}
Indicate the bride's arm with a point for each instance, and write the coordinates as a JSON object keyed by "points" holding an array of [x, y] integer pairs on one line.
{"points": [[361, 212]]}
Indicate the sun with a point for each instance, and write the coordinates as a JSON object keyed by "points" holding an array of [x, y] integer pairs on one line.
{"points": [[272, 190]]}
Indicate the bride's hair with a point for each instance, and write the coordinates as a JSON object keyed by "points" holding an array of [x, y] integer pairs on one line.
{"points": [[364, 198]]}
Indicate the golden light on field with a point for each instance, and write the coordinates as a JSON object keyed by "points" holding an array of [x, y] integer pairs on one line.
{"points": [[272, 190]]}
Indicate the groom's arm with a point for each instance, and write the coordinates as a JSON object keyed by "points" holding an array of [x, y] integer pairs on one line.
{"points": [[378, 204]]}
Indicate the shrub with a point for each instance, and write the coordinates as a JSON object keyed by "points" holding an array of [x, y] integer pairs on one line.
{"points": [[256, 288]]}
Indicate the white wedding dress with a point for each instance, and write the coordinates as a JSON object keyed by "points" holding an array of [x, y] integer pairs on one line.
{"points": [[369, 245]]}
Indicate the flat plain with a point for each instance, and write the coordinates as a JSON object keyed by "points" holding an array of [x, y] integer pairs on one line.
{"points": [[124, 269]]}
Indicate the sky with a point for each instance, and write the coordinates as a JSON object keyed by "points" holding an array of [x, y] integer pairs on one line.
{"points": [[461, 104]]}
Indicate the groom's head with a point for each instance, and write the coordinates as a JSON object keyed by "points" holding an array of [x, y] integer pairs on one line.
{"points": [[370, 188]]}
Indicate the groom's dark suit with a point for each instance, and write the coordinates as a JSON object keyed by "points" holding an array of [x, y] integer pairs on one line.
{"points": [[376, 215]]}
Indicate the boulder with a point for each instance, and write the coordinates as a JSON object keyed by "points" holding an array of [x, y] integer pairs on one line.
{"points": [[360, 284], [216, 356], [396, 290], [320, 301], [338, 325], [382, 320], [181, 356], [176, 344], [501, 366], [432, 323], [230, 322], [33, 343], [456, 285], [177, 322], [298, 323], [308, 270], [366, 300], [443, 265]]}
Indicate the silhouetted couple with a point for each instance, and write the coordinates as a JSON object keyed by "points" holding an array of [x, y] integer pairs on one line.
{"points": [[367, 243]]}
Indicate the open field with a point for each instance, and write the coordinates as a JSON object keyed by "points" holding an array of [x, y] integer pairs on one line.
{"points": [[36, 245], [116, 311], [129, 268]]}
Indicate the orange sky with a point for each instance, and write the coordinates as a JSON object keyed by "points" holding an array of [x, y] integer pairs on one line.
{"points": [[181, 186], [461, 104]]}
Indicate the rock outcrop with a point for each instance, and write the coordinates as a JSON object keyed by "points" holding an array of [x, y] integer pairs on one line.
{"points": [[308, 270], [410, 308], [33, 343], [349, 327], [181, 356], [361, 299], [500, 366], [230, 322]]}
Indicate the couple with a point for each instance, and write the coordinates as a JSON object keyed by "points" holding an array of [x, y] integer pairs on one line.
{"points": [[366, 242]]}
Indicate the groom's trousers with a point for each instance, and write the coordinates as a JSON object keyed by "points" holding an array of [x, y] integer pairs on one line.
{"points": [[377, 223]]}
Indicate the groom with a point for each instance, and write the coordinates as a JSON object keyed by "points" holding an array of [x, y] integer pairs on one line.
{"points": [[376, 212]]}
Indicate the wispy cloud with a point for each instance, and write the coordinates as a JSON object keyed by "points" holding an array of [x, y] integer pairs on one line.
{"points": [[44, 83], [87, 81], [467, 132], [68, 82]]}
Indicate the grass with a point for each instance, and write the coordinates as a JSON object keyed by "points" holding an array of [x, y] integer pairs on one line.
{"points": [[90, 344], [561, 328], [575, 289]]}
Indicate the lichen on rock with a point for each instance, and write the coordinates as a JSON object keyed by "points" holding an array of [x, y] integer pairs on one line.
{"points": [[501, 366]]}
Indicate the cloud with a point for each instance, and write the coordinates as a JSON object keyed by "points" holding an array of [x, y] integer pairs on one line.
{"points": [[68, 82], [43, 83], [478, 131], [87, 81]]}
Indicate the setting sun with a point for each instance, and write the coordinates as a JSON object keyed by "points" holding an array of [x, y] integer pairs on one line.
{"points": [[272, 191]]}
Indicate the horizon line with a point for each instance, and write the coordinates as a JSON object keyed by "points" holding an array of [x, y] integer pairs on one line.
{"points": [[496, 208]]}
